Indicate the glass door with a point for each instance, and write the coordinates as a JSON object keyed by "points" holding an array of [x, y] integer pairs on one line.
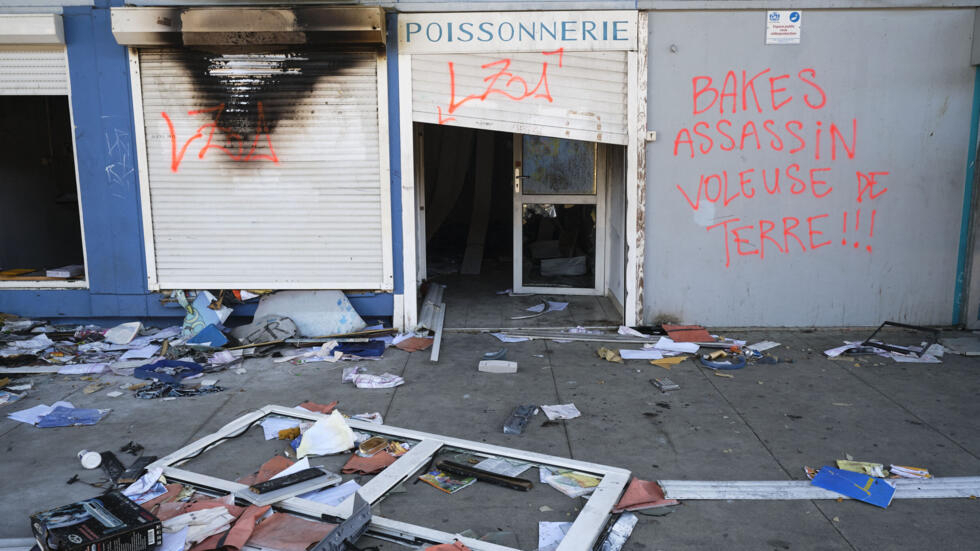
{"points": [[559, 216]]}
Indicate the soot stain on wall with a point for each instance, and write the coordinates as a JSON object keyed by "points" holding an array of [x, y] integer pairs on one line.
{"points": [[281, 80]]}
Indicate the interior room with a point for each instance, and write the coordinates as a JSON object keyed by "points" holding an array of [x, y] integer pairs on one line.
{"points": [[40, 227], [568, 196]]}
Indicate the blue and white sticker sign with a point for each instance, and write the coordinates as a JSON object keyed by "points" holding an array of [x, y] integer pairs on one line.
{"points": [[783, 27], [590, 31]]}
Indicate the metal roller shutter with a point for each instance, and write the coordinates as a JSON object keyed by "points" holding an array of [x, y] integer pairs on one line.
{"points": [[578, 95], [33, 71], [264, 170]]}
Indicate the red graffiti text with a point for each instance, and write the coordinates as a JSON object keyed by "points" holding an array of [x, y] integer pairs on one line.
{"points": [[501, 82], [235, 144]]}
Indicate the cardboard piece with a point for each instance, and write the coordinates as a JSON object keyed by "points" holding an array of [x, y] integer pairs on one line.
{"points": [[862, 487]]}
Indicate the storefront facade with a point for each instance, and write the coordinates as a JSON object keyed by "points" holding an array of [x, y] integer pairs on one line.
{"points": [[713, 165]]}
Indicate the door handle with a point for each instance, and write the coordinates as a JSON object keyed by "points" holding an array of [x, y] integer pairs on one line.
{"points": [[517, 179]]}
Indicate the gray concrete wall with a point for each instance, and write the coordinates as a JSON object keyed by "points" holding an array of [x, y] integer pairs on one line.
{"points": [[902, 76]]}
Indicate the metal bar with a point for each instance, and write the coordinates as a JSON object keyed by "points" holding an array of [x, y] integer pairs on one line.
{"points": [[583, 337], [949, 487], [437, 343]]}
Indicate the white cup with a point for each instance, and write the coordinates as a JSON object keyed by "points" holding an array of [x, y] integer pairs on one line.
{"points": [[90, 460]]}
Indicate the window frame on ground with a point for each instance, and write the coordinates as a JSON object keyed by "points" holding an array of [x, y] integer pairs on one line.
{"points": [[587, 527]]}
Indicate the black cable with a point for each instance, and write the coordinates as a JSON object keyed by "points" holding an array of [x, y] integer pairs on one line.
{"points": [[220, 440]]}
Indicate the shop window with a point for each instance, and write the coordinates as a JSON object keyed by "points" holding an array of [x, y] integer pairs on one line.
{"points": [[40, 227]]}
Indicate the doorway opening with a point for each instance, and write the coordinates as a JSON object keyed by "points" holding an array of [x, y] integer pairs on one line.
{"points": [[508, 221], [40, 223]]}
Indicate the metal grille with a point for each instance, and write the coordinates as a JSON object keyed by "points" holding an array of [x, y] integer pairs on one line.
{"points": [[33, 71], [579, 95], [264, 170]]}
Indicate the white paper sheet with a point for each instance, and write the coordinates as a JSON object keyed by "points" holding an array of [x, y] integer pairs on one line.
{"points": [[762, 346], [630, 332], [147, 487], [553, 307], [174, 541], [143, 353], [123, 333], [669, 345], [834, 352], [646, 354], [506, 467], [561, 411], [333, 496], [272, 425], [82, 369], [550, 534], [296, 467], [32, 415]]}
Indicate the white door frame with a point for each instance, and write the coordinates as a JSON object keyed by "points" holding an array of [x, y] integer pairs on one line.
{"points": [[407, 303], [598, 199]]}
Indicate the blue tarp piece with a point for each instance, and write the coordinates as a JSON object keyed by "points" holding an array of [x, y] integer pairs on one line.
{"points": [[168, 371], [69, 417], [210, 336], [370, 349]]}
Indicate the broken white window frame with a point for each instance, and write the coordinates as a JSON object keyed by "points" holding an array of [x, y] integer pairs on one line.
{"points": [[583, 534]]}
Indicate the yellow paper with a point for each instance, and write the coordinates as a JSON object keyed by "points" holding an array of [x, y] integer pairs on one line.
{"points": [[669, 361]]}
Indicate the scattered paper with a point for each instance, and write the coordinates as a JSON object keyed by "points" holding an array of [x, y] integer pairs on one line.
{"points": [[909, 472], [147, 487], [272, 425], [669, 345], [82, 369], [9, 397], [646, 354], [174, 541], [34, 345], [630, 332], [296, 467], [123, 333], [762, 346], [32, 415], [552, 307], [114, 394], [876, 470], [142, 353], [561, 411], [502, 466], [385, 380], [550, 534]]}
